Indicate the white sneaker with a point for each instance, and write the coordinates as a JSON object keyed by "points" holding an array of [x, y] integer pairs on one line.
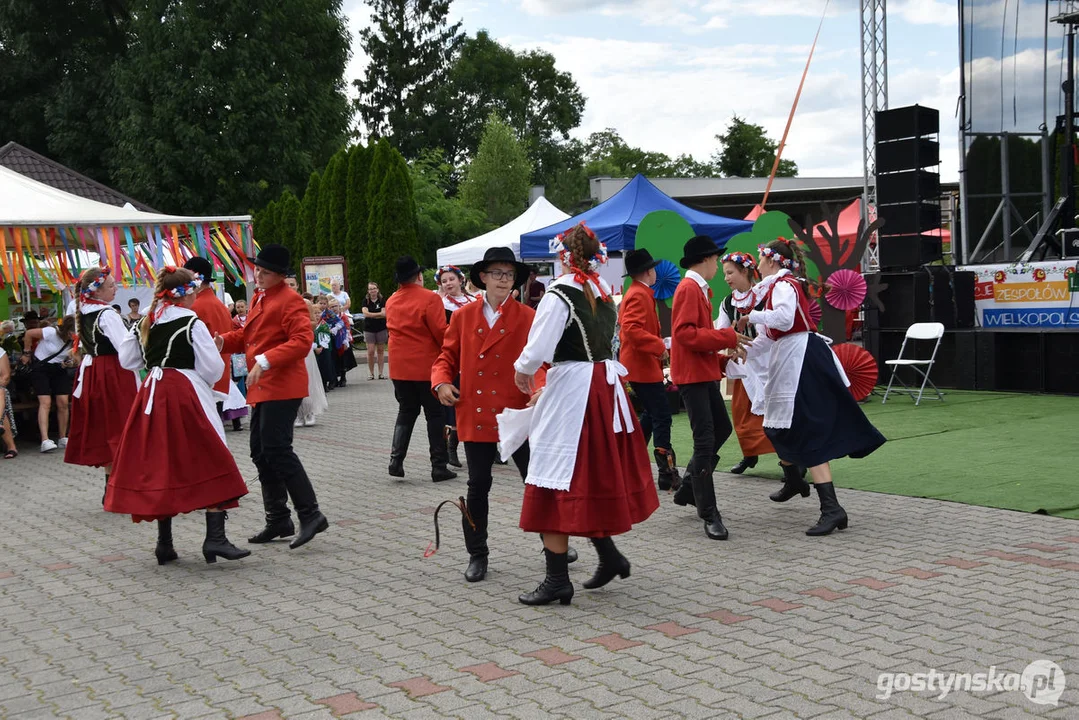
{"points": [[48, 446], [309, 421], [298, 423], [62, 442]]}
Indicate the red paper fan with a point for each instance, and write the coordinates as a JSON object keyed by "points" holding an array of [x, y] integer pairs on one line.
{"points": [[861, 369], [846, 290], [814, 314]]}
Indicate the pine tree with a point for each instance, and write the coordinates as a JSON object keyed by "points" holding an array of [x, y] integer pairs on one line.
{"points": [[288, 218], [381, 158], [326, 194], [338, 200], [410, 46], [306, 228], [356, 212], [265, 225], [391, 228], [497, 180]]}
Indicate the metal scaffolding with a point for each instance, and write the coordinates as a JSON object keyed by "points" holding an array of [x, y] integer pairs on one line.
{"points": [[874, 26]]}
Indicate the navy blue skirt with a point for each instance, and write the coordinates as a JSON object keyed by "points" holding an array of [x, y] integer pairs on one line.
{"points": [[827, 422]]}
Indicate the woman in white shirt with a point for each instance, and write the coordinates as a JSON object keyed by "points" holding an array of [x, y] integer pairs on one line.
{"points": [[50, 376], [7, 427]]}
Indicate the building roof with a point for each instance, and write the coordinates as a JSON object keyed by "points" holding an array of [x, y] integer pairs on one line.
{"points": [[38, 167]]}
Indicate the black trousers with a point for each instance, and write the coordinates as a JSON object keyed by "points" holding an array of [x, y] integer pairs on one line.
{"points": [[708, 420], [480, 457], [412, 395], [656, 416], [281, 473]]}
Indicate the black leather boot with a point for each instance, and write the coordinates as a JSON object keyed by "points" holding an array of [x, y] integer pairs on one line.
{"points": [[556, 584], [684, 494], [705, 492], [402, 436], [832, 515], [278, 516], [309, 528], [750, 461], [476, 544], [440, 456], [164, 550], [451, 446], [793, 485], [667, 470], [216, 544], [611, 563]]}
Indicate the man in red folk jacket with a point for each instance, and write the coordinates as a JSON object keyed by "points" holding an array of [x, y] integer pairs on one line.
{"points": [[695, 368], [276, 340], [483, 340], [416, 320], [216, 316], [642, 352]]}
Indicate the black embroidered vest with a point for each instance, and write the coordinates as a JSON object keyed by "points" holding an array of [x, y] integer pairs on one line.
{"points": [[93, 340], [169, 344], [588, 336]]}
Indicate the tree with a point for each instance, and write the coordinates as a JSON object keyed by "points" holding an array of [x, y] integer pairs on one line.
{"points": [[746, 151], [410, 46], [288, 219], [356, 212], [219, 106], [537, 100], [327, 194], [441, 220], [307, 227], [338, 219], [264, 224], [391, 227], [55, 57], [382, 157], [497, 180]]}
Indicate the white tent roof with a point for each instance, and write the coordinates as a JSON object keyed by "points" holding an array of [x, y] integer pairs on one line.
{"points": [[29, 203], [539, 215]]}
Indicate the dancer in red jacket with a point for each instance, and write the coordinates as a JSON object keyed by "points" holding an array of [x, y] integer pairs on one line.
{"points": [[695, 368]]}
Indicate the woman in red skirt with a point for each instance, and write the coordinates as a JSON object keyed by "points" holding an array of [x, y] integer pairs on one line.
{"points": [[172, 457], [589, 472], [104, 391]]}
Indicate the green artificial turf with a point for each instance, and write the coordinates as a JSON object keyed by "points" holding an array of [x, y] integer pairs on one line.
{"points": [[1002, 450]]}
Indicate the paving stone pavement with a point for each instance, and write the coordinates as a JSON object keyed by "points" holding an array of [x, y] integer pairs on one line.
{"points": [[358, 624]]}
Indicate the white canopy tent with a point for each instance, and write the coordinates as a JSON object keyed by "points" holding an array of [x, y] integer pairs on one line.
{"points": [[539, 215]]}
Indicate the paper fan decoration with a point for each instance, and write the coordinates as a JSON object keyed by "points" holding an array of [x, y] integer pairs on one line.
{"points": [[861, 369], [667, 279], [846, 289], [814, 314]]}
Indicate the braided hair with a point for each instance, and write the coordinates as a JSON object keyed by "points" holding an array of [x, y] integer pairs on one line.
{"points": [[89, 277], [168, 279], [583, 246], [792, 251]]}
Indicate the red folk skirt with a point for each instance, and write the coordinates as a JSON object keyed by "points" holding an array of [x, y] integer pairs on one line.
{"points": [[171, 461], [748, 427], [612, 487], [98, 416]]}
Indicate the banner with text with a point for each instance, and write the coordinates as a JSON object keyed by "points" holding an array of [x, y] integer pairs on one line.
{"points": [[1026, 295]]}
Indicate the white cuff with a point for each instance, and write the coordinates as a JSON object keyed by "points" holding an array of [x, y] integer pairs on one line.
{"points": [[667, 343], [263, 362]]}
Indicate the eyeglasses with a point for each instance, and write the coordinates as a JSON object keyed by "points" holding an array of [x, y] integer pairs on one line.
{"points": [[499, 274]]}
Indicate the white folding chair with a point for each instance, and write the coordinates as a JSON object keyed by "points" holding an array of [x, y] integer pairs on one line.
{"points": [[917, 331]]}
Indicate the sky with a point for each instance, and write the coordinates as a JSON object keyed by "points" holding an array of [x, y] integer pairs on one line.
{"points": [[668, 75]]}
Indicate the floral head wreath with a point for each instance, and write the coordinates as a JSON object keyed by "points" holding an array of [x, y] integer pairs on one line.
{"points": [[565, 255], [449, 268], [740, 258], [93, 287], [775, 257], [180, 290]]}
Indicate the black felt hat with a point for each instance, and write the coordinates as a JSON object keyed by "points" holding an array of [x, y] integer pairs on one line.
{"points": [[498, 255], [201, 266], [406, 268], [698, 248], [274, 258], [639, 261]]}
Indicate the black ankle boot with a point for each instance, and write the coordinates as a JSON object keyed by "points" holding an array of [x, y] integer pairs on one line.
{"points": [[684, 494], [236, 425], [164, 550], [793, 485], [611, 563], [451, 446], [707, 509], [476, 544], [216, 544], [832, 516], [748, 462], [556, 584], [665, 463], [272, 531], [440, 473], [402, 436]]}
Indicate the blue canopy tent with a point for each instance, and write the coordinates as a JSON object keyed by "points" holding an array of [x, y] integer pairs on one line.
{"points": [[615, 221]]}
